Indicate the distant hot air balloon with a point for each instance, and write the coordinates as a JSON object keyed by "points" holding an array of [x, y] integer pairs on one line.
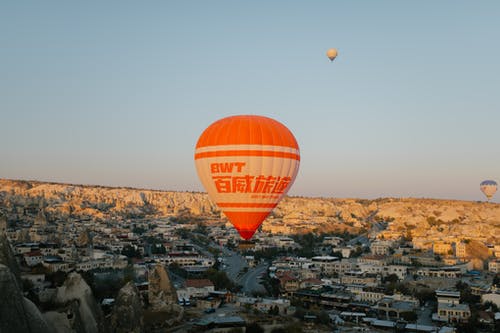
{"points": [[247, 164], [331, 54], [488, 187]]}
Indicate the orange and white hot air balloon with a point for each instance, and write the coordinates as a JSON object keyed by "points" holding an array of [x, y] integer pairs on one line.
{"points": [[247, 164]]}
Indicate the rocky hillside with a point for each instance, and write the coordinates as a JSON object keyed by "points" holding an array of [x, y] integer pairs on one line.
{"points": [[426, 218]]}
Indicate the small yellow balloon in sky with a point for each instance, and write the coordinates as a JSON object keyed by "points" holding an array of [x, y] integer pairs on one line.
{"points": [[331, 54]]}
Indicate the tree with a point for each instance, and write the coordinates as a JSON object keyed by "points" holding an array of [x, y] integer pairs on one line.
{"points": [[254, 328], [425, 295], [466, 295], [338, 254], [496, 279], [220, 280], [131, 252], [323, 318], [158, 249], [490, 305], [391, 278], [201, 229], [274, 310], [236, 330], [138, 230], [410, 316], [178, 270], [290, 328], [57, 278], [299, 312]]}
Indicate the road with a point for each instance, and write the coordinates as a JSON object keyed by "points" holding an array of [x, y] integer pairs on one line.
{"points": [[232, 264], [251, 280], [376, 228]]}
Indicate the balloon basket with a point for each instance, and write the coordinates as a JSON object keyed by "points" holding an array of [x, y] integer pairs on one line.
{"points": [[246, 245]]}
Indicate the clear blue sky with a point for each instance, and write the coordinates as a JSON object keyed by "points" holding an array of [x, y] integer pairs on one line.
{"points": [[118, 92]]}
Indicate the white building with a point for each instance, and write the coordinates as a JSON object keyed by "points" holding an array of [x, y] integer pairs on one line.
{"points": [[33, 258], [333, 241], [186, 260], [494, 266], [449, 307], [325, 263], [399, 270], [381, 247], [264, 304], [442, 272], [195, 288]]}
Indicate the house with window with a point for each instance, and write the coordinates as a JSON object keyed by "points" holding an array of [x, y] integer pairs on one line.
{"points": [[450, 309], [195, 288]]}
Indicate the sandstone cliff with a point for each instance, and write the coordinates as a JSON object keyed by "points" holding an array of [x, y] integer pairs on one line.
{"points": [[49, 202]]}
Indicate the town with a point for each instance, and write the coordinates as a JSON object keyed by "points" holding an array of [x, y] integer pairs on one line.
{"points": [[194, 274]]}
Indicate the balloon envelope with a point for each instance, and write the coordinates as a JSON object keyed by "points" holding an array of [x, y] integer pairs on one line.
{"points": [[489, 188], [331, 54], [247, 164]]}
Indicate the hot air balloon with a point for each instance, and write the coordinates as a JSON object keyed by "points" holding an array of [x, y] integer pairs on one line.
{"points": [[247, 164], [488, 187], [331, 54]]}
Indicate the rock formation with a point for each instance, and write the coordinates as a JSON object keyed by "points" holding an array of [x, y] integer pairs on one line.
{"points": [[127, 314], [17, 313], [3, 223], [7, 258], [40, 219], [76, 300], [162, 295], [22, 201]]}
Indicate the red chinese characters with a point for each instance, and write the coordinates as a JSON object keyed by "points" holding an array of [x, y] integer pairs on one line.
{"points": [[251, 184]]}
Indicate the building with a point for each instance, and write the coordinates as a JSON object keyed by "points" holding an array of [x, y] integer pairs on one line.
{"points": [[390, 309], [443, 272], [343, 266], [448, 296], [325, 263], [55, 263], [33, 258], [452, 313], [494, 266], [370, 295], [450, 309], [285, 242], [442, 248], [461, 249], [199, 287], [399, 270], [265, 304], [324, 297], [333, 241], [186, 260], [381, 247], [355, 277], [289, 283], [219, 324], [195, 288]]}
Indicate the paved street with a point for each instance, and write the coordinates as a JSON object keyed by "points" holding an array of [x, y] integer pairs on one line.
{"points": [[232, 264], [251, 280]]}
